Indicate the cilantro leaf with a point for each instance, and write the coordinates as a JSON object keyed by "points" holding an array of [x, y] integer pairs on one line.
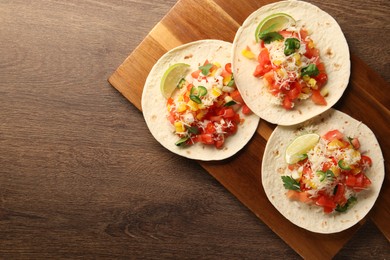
{"points": [[206, 68], [290, 45], [270, 36], [310, 70], [350, 202], [290, 184]]}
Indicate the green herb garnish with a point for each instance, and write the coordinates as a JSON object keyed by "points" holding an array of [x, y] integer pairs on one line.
{"points": [[193, 130], [270, 36], [290, 45], [182, 141], [206, 68], [290, 184], [310, 70], [350, 202]]}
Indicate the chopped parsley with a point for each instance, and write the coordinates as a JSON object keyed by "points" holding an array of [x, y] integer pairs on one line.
{"points": [[290, 183]]}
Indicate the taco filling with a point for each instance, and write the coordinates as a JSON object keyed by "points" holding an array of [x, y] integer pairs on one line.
{"points": [[204, 107], [330, 174], [290, 66]]}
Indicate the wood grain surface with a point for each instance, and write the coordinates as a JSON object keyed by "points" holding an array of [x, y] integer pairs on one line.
{"points": [[80, 174]]}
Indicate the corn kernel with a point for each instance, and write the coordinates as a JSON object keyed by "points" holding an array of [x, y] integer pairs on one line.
{"points": [[169, 108], [227, 79], [297, 58], [181, 107], [336, 170], [306, 90], [180, 98], [216, 92], [192, 105], [217, 64], [306, 78], [247, 53], [179, 127], [335, 144], [277, 62], [281, 73], [311, 44], [312, 82]]}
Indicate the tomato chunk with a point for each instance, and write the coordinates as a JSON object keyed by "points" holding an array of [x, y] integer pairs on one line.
{"points": [[318, 98]]}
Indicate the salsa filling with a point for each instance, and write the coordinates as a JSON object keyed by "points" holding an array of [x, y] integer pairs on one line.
{"points": [[330, 175], [291, 67], [205, 107]]}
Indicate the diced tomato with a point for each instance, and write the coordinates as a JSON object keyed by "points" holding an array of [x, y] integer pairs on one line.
{"points": [[326, 202], [227, 112], [195, 74], [350, 180], [333, 134], [269, 77], [236, 96], [295, 90], [216, 118], [366, 161], [171, 118], [303, 34], [318, 98], [210, 128], [206, 138], [246, 110], [287, 103], [228, 67], [326, 166], [264, 65], [311, 52], [321, 79], [219, 143], [307, 171]]}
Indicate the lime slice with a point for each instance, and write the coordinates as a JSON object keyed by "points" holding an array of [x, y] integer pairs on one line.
{"points": [[300, 146], [277, 21], [172, 77]]}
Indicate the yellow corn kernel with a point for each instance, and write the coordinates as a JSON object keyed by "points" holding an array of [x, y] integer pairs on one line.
{"points": [[297, 58], [306, 78], [181, 107], [200, 114], [277, 62], [179, 127], [216, 92], [227, 79], [169, 108], [247, 53], [312, 83], [192, 105], [336, 170], [311, 44], [281, 73], [335, 144], [217, 64], [180, 98]]}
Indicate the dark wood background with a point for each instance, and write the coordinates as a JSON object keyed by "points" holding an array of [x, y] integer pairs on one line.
{"points": [[80, 174]]}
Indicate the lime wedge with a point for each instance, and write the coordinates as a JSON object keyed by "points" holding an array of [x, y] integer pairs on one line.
{"points": [[298, 148], [172, 77], [277, 21]]}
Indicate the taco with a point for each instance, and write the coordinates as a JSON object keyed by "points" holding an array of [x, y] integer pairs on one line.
{"points": [[192, 106], [291, 62], [323, 175]]}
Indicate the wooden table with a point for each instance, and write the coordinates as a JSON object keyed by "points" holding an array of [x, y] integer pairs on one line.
{"points": [[81, 175]]}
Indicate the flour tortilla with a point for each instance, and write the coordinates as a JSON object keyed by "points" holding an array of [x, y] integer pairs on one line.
{"points": [[311, 217], [328, 38], [154, 104]]}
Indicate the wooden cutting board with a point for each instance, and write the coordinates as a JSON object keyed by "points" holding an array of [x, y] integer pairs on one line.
{"points": [[366, 99]]}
